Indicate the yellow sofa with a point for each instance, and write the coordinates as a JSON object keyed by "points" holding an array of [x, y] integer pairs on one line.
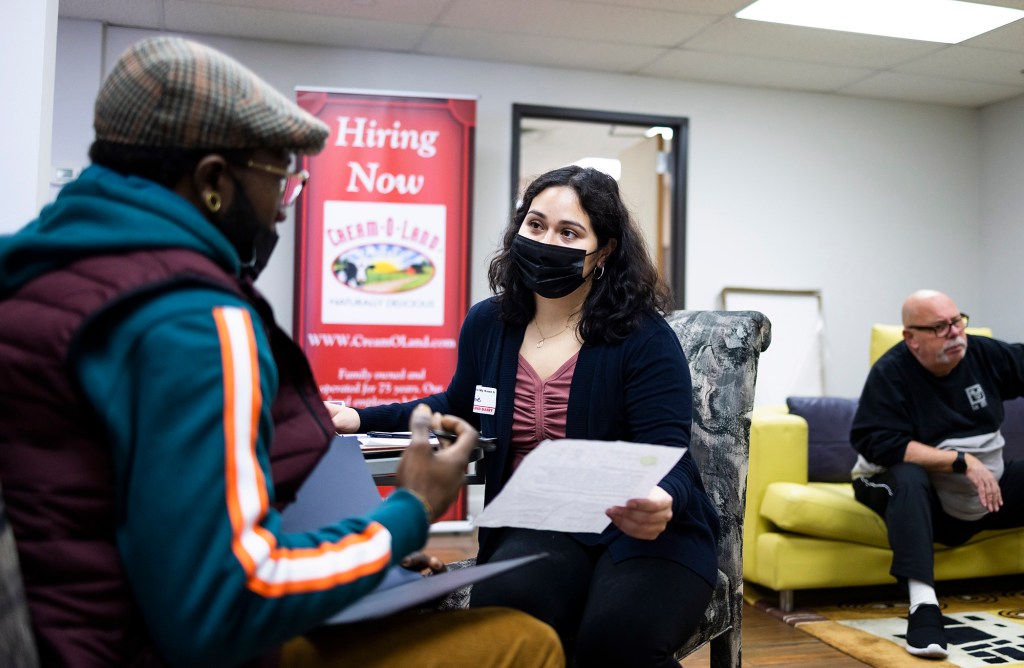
{"points": [[811, 535]]}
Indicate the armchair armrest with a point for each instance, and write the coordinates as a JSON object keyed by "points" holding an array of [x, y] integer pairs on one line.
{"points": [[778, 453]]}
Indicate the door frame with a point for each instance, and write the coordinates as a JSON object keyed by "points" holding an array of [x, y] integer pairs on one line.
{"points": [[677, 167]]}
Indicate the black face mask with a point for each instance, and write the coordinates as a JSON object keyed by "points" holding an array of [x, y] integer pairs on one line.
{"points": [[262, 248], [550, 271], [254, 242]]}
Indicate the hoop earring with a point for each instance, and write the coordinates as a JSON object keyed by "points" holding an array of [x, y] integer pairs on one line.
{"points": [[213, 201], [599, 273]]}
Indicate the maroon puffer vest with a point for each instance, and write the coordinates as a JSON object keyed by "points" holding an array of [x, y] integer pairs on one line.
{"points": [[57, 473]]}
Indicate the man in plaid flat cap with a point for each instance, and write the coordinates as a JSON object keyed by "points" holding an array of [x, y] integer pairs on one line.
{"points": [[154, 418]]}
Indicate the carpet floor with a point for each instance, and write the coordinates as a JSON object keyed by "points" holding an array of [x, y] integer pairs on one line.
{"points": [[981, 629]]}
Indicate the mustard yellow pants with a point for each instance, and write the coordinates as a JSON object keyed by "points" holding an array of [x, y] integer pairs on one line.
{"points": [[478, 638]]}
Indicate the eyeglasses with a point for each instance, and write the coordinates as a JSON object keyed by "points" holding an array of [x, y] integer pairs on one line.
{"points": [[291, 182], [942, 329]]}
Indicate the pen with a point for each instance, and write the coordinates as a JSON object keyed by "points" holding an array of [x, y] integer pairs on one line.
{"points": [[485, 443]]}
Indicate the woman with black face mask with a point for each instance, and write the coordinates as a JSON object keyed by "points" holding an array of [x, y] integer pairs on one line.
{"points": [[574, 345]]}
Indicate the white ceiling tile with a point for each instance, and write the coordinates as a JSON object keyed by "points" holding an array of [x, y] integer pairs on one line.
{"points": [[757, 38], [1015, 4], [143, 13], [570, 19], [680, 39], [715, 7], [406, 11], [533, 50], [932, 90], [752, 71], [1008, 38], [961, 62], [220, 19]]}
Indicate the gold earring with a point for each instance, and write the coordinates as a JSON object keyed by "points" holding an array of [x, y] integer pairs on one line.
{"points": [[212, 198]]}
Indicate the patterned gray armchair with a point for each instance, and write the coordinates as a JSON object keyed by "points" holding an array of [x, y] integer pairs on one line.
{"points": [[17, 646], [722, 348]]}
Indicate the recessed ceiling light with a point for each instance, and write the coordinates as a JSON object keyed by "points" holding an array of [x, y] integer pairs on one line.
{"points": [[949, 21]]}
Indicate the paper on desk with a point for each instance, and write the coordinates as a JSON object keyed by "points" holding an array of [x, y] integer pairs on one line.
{"points": [[372, 443], [567, 484]]}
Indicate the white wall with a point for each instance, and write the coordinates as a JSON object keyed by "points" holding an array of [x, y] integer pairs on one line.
{"points": [[1002, 207], [78, 76], [27, 37], [865, 200]]}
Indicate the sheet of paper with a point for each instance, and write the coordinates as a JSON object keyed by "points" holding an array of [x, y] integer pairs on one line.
{"points": [[567, 484], [377, 443]]}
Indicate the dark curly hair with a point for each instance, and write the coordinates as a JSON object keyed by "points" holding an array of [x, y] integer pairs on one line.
{"points": [[630, 286]]}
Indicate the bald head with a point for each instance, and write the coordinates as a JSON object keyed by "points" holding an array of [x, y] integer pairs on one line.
{"points": [[923, 303], [923, 312]]}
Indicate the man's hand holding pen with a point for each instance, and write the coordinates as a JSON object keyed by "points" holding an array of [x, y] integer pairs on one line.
{"points": [[435, 476]]}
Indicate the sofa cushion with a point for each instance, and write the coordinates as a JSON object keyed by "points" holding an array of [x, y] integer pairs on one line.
{"points": [[1013, 429], [883, 337], [830, 457], [823, 510]]}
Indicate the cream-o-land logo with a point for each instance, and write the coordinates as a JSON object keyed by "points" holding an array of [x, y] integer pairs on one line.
{"points": [[383, 268], [383, 263]]}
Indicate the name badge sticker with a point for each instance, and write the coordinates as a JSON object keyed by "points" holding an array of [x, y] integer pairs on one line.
{"points": [[485, 400]]}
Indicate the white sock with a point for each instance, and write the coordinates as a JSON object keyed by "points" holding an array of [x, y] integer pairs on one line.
{"points": [[920, 594]]}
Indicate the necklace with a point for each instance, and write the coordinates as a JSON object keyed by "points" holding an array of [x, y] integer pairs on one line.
{"points": [[545, 338]]}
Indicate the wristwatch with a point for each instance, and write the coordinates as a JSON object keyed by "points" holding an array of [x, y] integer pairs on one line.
{"points": [[960, 463]]}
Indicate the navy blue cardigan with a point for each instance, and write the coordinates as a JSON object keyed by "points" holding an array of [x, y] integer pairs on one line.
{"points": [[637, 390]]}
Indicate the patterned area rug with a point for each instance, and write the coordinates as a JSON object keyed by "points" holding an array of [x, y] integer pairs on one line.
{"points": [[981, 629]]}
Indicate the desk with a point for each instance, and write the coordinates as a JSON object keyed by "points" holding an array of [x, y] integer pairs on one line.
{"points": [[384, 463]]}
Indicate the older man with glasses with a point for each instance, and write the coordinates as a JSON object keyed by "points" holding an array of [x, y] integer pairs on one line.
{"points": [[927, 430]]}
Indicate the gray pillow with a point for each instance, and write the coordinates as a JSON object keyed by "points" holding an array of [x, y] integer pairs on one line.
{"points": [[1013, 429], [830, 457]]}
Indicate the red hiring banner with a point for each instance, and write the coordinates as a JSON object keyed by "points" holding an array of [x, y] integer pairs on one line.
{"points": [[382, 244]]}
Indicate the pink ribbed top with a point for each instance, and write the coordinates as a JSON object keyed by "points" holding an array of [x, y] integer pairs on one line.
{"points": [[540, 406]]}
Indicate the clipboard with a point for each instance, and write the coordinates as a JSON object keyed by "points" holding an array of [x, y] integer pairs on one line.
{"points": [[384, 601], [341, 486]]}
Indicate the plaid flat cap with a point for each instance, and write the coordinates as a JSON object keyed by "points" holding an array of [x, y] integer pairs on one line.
{"points": [[172, 92]]}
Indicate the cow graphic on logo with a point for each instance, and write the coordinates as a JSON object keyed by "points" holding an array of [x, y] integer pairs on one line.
{"points": [[382, 268]]}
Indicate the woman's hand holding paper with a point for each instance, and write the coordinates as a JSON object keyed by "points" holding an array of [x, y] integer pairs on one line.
{"points": [[643, 518]]}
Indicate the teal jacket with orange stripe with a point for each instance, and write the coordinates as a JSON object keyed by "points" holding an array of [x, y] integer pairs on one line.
{"points": [[181, 386]]}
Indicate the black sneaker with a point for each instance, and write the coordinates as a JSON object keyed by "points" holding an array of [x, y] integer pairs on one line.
{"points": [[925, 637]]}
